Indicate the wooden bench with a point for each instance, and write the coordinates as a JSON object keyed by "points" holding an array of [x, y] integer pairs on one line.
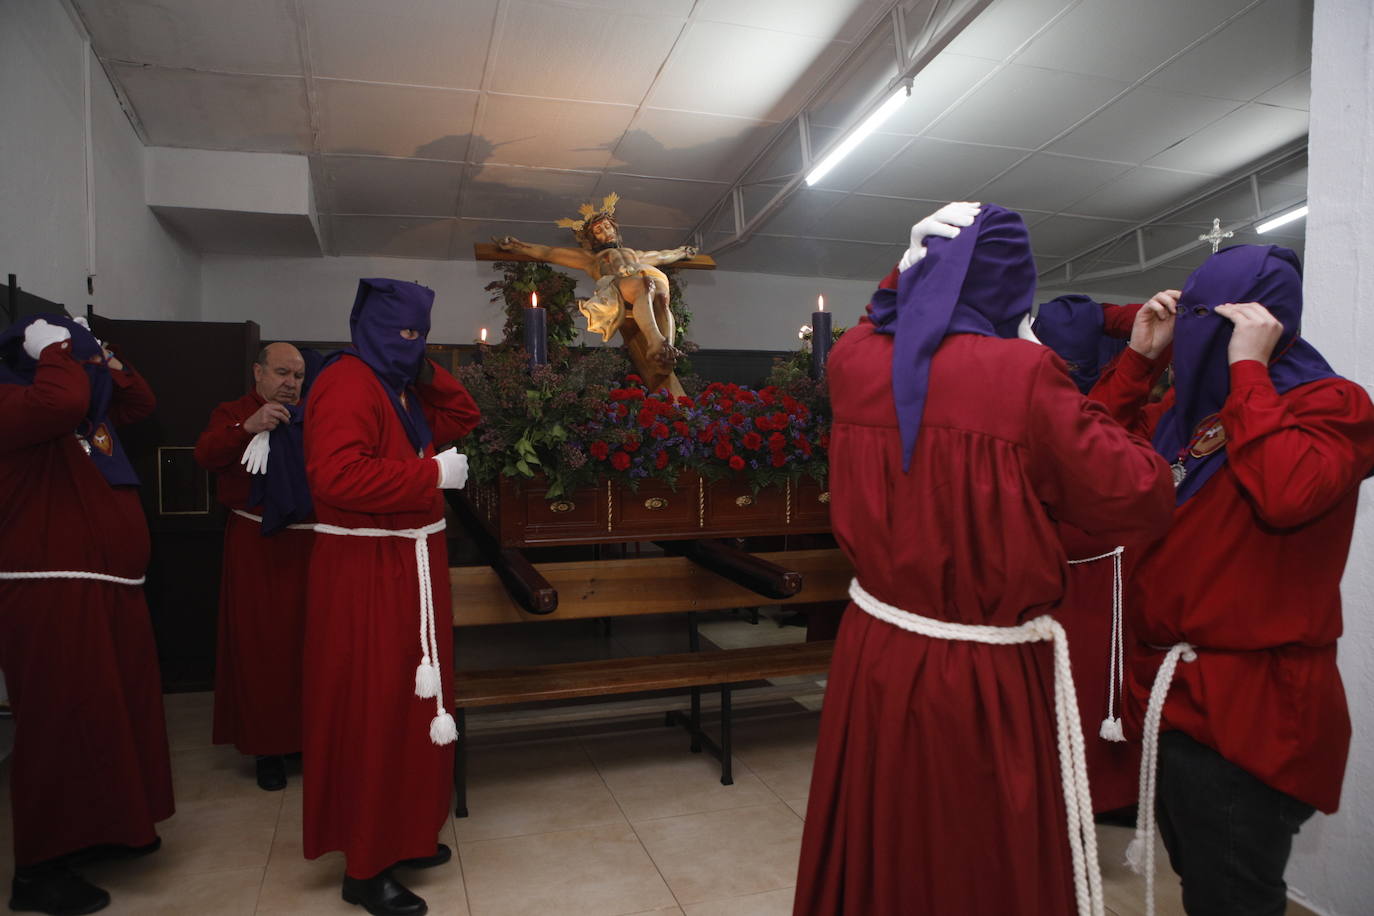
{"points": [[725, 668]]}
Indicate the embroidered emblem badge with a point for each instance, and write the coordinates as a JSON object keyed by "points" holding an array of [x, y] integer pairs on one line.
{"points": [[101, 440]]}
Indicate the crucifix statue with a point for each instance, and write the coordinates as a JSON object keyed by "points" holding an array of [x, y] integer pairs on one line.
{"points": [[631, 292], [1215, 236]]}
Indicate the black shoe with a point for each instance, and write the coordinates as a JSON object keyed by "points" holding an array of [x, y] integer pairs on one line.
{"points": [[441, 855], [52, 887], [271, 773], [112, 852], [383, 895]]}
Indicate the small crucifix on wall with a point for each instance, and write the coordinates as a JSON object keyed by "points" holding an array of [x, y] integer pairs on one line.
{"points": [[1215, 236]]}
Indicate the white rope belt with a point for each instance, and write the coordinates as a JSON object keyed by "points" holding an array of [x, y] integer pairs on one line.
{"points": [[1087, 875], [428, 677], [73, 574], [1110, 729], [1140, 854]]}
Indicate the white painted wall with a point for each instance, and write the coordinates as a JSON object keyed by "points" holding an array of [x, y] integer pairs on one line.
{"points": [[1331, 866], [142, 271], [309, 299]]}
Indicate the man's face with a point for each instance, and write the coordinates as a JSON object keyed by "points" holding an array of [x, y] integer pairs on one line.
{"points": [[281, 377], [603, 231]]}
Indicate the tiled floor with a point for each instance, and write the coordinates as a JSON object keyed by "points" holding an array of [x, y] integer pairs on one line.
{"points": [[589, 822]]}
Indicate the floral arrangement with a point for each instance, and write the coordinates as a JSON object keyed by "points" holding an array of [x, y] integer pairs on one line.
{"points": [[557, 295]]}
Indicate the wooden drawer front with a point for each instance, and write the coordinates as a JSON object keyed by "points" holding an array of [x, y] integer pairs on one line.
{"points": [[734, 505], [810, 502], [574, 514], [656, 507]]}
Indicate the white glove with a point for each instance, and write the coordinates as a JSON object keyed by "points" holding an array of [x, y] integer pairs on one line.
{"points": [[40, 335], [254, 458], [944, 222], [453, 469]]}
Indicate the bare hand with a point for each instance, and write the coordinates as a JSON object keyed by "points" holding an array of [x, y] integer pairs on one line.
{"points": [[1256, 332], [110, 359], [1153, 330], [267, 417], [505, 242], [690, 251]]}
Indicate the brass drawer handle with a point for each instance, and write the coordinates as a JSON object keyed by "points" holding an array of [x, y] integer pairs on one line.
{"points": [[655, 502], [562, 505], [743, 501], [824, 497]]}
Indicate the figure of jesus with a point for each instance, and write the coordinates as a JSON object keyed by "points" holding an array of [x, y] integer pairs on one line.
{"points": [[631, 292]]}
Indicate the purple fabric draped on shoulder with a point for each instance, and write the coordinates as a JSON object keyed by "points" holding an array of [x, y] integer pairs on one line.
{"points": [[982, 281], [1267, 274], [18, 368], [381, 310]]}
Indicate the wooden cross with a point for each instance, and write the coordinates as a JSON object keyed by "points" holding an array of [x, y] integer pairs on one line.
{"points": [[1215, 236], [485, 251]]}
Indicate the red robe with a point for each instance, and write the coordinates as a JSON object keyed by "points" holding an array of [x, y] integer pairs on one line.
{"points": [[261, 602], [375, 785], [90, 752], [1250, 573], [936, 786]]}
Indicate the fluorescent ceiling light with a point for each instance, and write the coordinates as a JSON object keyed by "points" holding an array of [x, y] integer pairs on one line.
{"points": [[1282, 219], [857, 136]]}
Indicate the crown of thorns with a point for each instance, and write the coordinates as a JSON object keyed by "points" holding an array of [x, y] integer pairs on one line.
{"points": [[590, 215]]}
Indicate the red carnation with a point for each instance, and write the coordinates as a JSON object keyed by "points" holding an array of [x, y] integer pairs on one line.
{"points": [[746, 397], [599, 450], [680, 428], [622, 410], [725, 404], [631, 446], [779, 420], [646, 418], [779, 459], [634, 378], [753, 440], [736, 463], [659, 431], [767, 396], [777, 441], [620, 461], [736, 419], [661, 460], [761, 422], [635, 394], [724, 449], [685, 401]]}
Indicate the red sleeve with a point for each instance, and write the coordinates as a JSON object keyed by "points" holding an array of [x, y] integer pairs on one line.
{"points": [[50, 407], [1089, 471], [1117, 320], [343, 426], [133, 399], [221, 444], [1297, 454], [1124, 389], [450, 410], [890, 281]]}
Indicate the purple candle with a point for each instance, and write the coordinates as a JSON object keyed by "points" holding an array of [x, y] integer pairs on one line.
{"points": [[536, 333], [821, 336]]}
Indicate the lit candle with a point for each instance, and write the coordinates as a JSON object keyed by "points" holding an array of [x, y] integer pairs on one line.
{"points": [[536, 333], [820, 338], [481, 352]]}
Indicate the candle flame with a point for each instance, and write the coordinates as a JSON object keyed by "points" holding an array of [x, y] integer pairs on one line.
{"points": [[820, 303], [484, 335], [534, 300]]}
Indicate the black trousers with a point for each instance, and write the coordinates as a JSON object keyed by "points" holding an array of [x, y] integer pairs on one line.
{"points": [[1228, 834]]}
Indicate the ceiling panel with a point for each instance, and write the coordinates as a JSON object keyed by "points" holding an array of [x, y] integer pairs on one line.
{"points": [[392, 237], [659, 201], [218, 111], [875, 219], [1062, 236], [750, 73], [864, 76], [1140, 194], [1295, 93], [1137, 287], [803, 213], [405, 187], [1235, 141], [941, 170], [675, 144], [418, 42], [382, 120], [1158, 30], [842, 20], [1262, 49], [939, 85], [509, 192], [246, 36], [1141, 124], [811, 257], [1023, 106], [557, 51], [516, 130], [1048, 182], [1006, 25]]}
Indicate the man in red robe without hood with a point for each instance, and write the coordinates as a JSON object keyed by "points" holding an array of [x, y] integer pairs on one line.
{"points": [[941, 783], [261, 637], [378, 751], [90, 776]]}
